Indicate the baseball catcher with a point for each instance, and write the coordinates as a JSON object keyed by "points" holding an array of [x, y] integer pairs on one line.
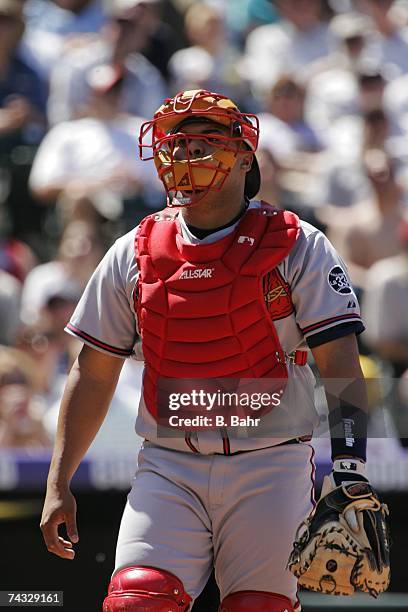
{"points": [[222, 286], [343, 546]]}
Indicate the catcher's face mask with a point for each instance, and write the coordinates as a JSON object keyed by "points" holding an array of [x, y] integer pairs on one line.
{"points": [[191, 163]]}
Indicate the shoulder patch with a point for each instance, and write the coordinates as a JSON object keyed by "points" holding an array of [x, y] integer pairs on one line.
{"points": [[338, 281], [277, 295]]}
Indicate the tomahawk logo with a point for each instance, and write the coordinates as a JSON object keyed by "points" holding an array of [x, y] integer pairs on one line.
{"points": [[348, 465], [244, 239], [197, 273]]}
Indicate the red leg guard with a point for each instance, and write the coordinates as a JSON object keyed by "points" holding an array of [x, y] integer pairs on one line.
{"points": [[256, 601], [146, 589]]}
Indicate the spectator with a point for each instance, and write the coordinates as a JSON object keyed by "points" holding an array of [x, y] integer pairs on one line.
{"points": [[119, 45], [301, 38], [389, 40], [366, 124], [366, 234], [345, 181], [101, 210], [385, 305], [20, 411], [292, 142], [51, 290], [97, 153], [162, 39], [22, 93], [65, 17], [211, 62], [22, 123], [284, 112], [333, 88], [52, 355], [340, 120], [54, 24], [49, 297], [350, 35]]}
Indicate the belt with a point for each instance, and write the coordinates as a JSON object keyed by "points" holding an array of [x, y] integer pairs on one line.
{"points": [[298, 440]]}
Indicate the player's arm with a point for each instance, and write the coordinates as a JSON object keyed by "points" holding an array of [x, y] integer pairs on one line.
{"points": [[343, 546], [328, 315], [339, 366], [88, 393]]}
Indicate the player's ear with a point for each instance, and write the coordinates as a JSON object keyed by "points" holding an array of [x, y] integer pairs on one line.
{"points": [[246, 162]]}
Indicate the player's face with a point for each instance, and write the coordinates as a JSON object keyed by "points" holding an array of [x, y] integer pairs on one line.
{"points": [[198, 141], [208, 136]]}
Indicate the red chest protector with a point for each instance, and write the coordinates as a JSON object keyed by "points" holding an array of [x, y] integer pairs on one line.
{"points": [[201, 309]]}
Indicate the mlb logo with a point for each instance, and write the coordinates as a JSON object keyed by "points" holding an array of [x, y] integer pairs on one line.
{"points": [[244, 239]]}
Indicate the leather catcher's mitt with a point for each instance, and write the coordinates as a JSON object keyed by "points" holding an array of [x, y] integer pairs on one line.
{"points": [[344, 546]]}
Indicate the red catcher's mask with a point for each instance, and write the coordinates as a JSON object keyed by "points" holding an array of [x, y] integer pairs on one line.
{"points": [[191, 164]]}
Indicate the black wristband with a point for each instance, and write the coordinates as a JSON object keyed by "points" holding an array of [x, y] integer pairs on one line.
{"points": [[348, 430]]}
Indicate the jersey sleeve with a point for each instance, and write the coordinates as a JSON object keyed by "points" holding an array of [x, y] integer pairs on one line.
{"points": [[325, 303], [104, 317]]}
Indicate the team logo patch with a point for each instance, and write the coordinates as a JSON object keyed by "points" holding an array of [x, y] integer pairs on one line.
{"points": [[277, 295], [338, 281]]}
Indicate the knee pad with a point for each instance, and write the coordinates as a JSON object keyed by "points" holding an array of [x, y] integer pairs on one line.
{"points": [[256, 601], [146, 588]]}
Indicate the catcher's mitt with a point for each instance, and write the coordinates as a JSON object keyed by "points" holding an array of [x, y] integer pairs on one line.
{"points": [[344, 546]]}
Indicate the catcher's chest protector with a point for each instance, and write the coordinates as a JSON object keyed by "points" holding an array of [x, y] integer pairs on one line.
{"points": [[201, 309]]}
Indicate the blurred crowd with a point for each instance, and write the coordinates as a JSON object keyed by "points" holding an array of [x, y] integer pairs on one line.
{"points": [[329, 80]]}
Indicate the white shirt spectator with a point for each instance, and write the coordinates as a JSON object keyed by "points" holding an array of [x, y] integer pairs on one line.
{"points": [[42, 283], [280, 48], [93, 150], [331, 94]]}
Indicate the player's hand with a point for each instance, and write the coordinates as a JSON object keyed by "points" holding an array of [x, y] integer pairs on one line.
{"points": [[343, 546], [59, 508], [345, 471]]}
